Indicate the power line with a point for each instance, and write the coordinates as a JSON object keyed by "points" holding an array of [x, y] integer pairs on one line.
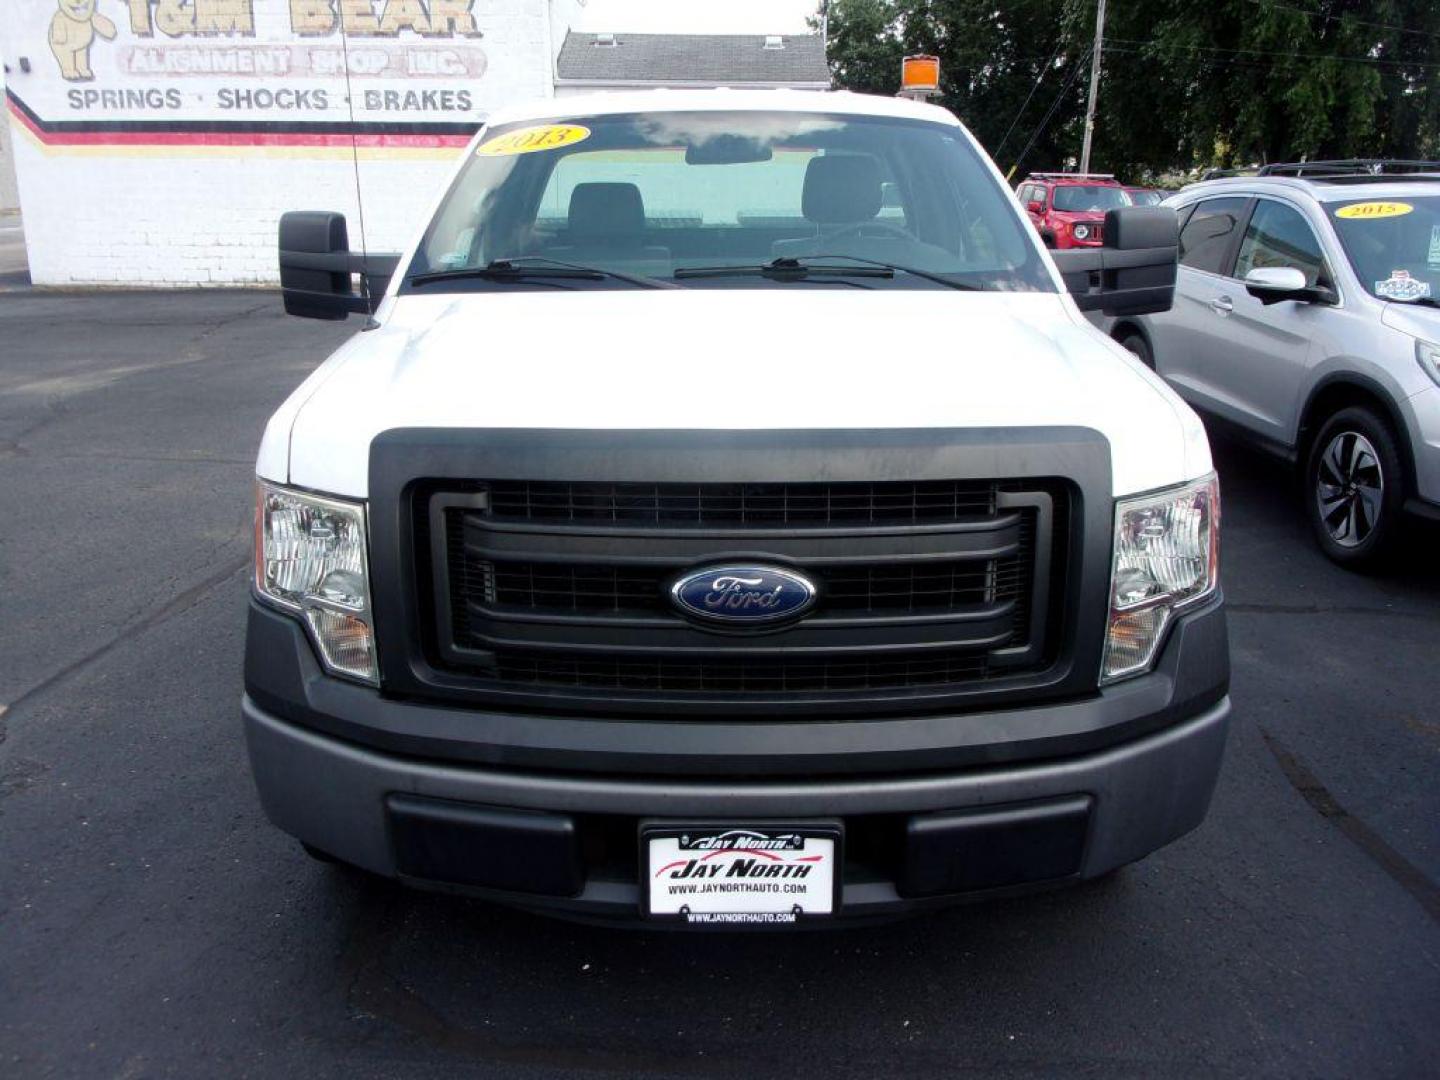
{"points": [[1050, 63], [1162, 46], [1341, 18], [1064, 89]]}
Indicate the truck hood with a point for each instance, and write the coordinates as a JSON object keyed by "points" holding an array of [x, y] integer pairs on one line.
{"points": [[794, 358]]}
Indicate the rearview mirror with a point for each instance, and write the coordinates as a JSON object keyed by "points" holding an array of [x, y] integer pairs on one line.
{"points": [[1035, 206], [1134, 273], [316, 265], [728, 150], [1272, 284]]}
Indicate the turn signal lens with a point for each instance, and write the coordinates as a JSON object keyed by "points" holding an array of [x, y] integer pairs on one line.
{"points": [[311, 559], [1166, 558], [347, 642], [1429, 357]]}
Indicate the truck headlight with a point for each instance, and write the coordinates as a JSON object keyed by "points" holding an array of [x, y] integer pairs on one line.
{"points": [[1082, 232], [311, 559], [1166, 558]]}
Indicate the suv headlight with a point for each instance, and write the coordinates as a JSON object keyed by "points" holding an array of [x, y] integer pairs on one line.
{"points": [[1082, 232], [1166, 558], [311, 559], [1429, 356]]}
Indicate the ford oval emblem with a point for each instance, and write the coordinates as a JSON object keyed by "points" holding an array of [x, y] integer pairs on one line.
{"points": [[740, 597]]}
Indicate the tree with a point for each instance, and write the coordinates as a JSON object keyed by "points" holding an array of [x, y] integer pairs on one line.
{"points": [[1183, 85]]}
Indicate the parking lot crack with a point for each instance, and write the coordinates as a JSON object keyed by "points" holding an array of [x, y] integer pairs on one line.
{"points": [[181, 603], [1405, 873]]}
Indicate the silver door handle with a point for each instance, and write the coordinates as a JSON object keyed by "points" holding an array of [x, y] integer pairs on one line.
{"points": [[1223, 304]]}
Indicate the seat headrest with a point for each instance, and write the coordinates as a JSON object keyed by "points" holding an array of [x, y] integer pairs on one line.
{"points": [[840, 189], [606, 212]]}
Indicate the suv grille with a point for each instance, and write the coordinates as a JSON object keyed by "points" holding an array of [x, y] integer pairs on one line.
{"points": [[561, 589]]}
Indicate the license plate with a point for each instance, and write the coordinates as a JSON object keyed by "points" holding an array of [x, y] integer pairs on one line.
{"points": [[741, 874]]}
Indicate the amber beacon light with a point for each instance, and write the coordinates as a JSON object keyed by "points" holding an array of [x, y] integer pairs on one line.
{"points": [[920, 75]]}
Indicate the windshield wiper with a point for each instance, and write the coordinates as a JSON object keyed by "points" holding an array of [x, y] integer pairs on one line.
{"points": [[523, 267], [798, 268]]}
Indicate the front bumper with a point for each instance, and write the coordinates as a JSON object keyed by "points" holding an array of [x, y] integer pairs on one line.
{"points": [[1422, 419], [351, 772]]}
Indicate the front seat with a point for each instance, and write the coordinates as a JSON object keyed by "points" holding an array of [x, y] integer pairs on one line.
{"points": [[607, 228], [842, 191]]}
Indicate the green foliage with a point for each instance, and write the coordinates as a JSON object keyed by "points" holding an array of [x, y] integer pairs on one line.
{"points": [[1183, 84]]}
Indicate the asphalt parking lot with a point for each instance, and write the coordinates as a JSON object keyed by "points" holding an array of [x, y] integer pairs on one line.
{"points": [[153, 924]]}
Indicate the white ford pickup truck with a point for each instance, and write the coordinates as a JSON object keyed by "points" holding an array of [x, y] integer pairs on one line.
{"points": [[630, 564]]}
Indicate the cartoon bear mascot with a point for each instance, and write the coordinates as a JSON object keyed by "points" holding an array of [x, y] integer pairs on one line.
{"points": [[72, 30]]}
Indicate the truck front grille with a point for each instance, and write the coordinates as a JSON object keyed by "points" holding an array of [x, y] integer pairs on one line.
{"points": [[561, 589]]}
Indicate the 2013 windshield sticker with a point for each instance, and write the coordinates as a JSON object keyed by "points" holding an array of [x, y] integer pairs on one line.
{"points": [[1401, 286], [1373, 211], [532, 140]]}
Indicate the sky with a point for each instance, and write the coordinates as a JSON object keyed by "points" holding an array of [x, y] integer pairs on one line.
{"points": [[697, 16]]}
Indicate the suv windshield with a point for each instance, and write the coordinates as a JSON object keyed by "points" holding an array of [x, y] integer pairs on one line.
{"points": [[1393, 244], [641, 196], [1082, 197]]}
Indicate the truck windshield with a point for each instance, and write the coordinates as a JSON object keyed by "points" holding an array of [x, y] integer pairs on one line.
{"points": [[642, 196], [1393, 245], [1083, 197]]}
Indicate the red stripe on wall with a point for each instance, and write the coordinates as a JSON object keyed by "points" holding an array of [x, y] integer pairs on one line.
{"points": [[102, 137]]}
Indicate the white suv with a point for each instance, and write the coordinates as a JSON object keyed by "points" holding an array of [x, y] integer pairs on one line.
{"points": [[696, 534], [1307, 314]]}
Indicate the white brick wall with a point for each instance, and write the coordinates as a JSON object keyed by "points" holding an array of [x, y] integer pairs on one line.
{"points": [[149, 215]]}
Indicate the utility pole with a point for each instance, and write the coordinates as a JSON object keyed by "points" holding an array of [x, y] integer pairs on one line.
{"points": [[1094, 87]]}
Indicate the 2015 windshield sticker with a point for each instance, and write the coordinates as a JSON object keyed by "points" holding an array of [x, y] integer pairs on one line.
{"points": [[531, 140], [1371, 211], [1401, 286]]}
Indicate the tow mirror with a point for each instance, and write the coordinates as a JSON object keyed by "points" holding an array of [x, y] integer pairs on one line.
{"points": [[1134, 272], [1272, 284], [317, 268]]}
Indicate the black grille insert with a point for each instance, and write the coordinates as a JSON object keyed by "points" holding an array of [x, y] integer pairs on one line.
{"points": [[744, 675], [566, 588], [792, 504]]}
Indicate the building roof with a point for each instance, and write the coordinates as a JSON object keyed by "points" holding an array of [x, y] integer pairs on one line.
{"points": [[678, 59]]}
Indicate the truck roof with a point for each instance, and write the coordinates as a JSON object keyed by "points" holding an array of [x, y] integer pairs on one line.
{"points": [[721, 100]]}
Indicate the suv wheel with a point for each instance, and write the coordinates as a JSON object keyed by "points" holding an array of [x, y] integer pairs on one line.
{"points": [[1137, 344], [1354, 487]]}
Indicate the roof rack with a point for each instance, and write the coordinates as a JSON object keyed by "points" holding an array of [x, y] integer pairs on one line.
{"points": [[1071, 176], [1348, 167], [1225, 174]]}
